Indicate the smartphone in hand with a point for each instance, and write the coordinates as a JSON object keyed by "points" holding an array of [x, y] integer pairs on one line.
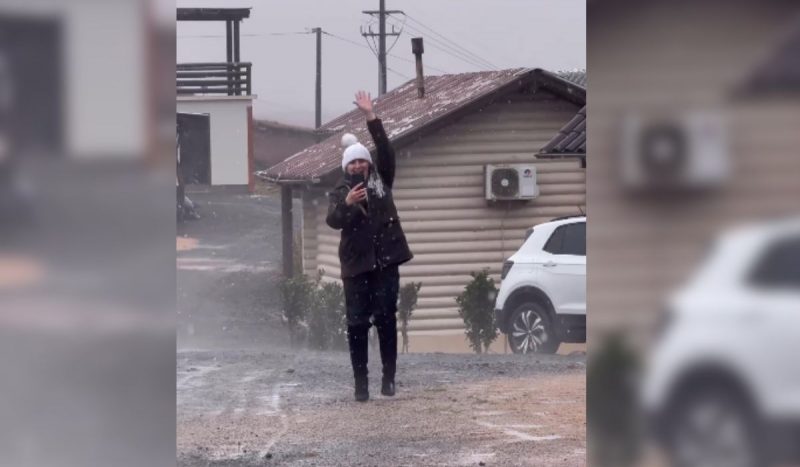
{"points": [[355, 179]]}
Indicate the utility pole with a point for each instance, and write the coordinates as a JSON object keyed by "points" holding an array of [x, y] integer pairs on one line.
{"points": [[318, 94], [382, 48], [382, 12]]}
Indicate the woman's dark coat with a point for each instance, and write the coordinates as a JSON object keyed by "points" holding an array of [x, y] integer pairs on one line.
{"points": [[374, 240]]}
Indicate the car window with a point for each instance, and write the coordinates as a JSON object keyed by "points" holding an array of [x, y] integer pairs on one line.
{"points": [[569, 239], [574, 239], [779, 266], [555, 241]]}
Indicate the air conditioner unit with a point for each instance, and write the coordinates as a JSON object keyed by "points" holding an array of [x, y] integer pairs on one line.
{"points": [[674, 152], [511, 182]]}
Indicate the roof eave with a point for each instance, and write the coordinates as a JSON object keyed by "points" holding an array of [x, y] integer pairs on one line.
{"points": [[580, 156], [212, 14], [560, 86], [555, 155], [287, 181]]}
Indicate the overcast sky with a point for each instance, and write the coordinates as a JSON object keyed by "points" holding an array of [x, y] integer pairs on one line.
{"points": [[547, 34]]}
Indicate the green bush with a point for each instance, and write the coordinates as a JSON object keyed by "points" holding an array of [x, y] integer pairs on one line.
{"points": [[327, 322], [316, 307], [615, 422], [405, 307], [476, 308], [298, 295]]}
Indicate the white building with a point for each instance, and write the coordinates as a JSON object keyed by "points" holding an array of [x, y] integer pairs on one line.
{"points": [[217, 150]]}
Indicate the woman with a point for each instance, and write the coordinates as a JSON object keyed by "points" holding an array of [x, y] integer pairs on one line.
{"points": [[372, 247]]}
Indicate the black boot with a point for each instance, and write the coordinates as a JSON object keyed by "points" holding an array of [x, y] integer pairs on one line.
{"points": [[357, 340], [387, 388], [362, 389], [387, 333]]}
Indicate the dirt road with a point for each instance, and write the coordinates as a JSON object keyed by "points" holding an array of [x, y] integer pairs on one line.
{"points": [[263, 408]]}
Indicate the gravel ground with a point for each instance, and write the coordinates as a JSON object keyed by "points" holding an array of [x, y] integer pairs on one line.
{"points": [[245, 399], [249, 408]]}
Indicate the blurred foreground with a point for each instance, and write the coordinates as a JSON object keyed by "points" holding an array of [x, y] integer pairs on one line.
{"points": [[87, 282], [693, 134]]}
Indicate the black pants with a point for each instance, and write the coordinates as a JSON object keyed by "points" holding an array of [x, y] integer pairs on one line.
{"points": [[371, 298]]}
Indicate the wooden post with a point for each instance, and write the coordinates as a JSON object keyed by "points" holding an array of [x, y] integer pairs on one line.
{"points": [[251, 163], [286, 225], [229, 53], [236, 58], [382, 48], [236, 55], [248, 69], [318, 87], [228, 41]]}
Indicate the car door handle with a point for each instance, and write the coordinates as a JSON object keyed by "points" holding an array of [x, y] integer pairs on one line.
{"points": [[549, 264]]}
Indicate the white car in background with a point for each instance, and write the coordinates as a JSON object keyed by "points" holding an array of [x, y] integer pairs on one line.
{"points": [[542, 298], [722, 386]]}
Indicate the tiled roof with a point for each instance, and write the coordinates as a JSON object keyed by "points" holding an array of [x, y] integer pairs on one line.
{"points": [[403, 113], [575, 77], [571, 138], [270, 124]]}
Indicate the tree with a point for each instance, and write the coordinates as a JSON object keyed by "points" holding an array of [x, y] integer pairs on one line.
{"points": [[476, 308]]}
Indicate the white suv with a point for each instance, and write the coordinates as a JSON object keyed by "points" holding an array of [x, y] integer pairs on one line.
{"points": [[542, 296], [723, 383]]}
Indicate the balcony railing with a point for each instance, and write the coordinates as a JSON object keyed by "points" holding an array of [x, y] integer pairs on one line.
{"points": [[231, 79]]}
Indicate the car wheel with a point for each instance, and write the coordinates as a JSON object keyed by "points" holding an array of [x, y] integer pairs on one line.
{"points": [[713, 427], [531, 330]]}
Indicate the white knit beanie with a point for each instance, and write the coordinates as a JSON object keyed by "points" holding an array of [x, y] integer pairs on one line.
{"points": [[353, 150]]}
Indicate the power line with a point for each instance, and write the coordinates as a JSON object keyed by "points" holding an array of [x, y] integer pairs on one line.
{"points": [[454, 44], [372, 45], [375, 52], [398, 73], [367, 47], [446, 52], [382, 34], [210, 36], [206, 36], [413, 62], [437, 44], [345, 40], [397, 38], [431, 43]]}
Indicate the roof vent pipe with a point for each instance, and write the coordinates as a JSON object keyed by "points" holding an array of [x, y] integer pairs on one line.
{"points": [[417, 49]]}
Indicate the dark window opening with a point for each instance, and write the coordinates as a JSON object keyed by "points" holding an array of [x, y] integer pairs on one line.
{"points": [[569, 239], [779, 267]]}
